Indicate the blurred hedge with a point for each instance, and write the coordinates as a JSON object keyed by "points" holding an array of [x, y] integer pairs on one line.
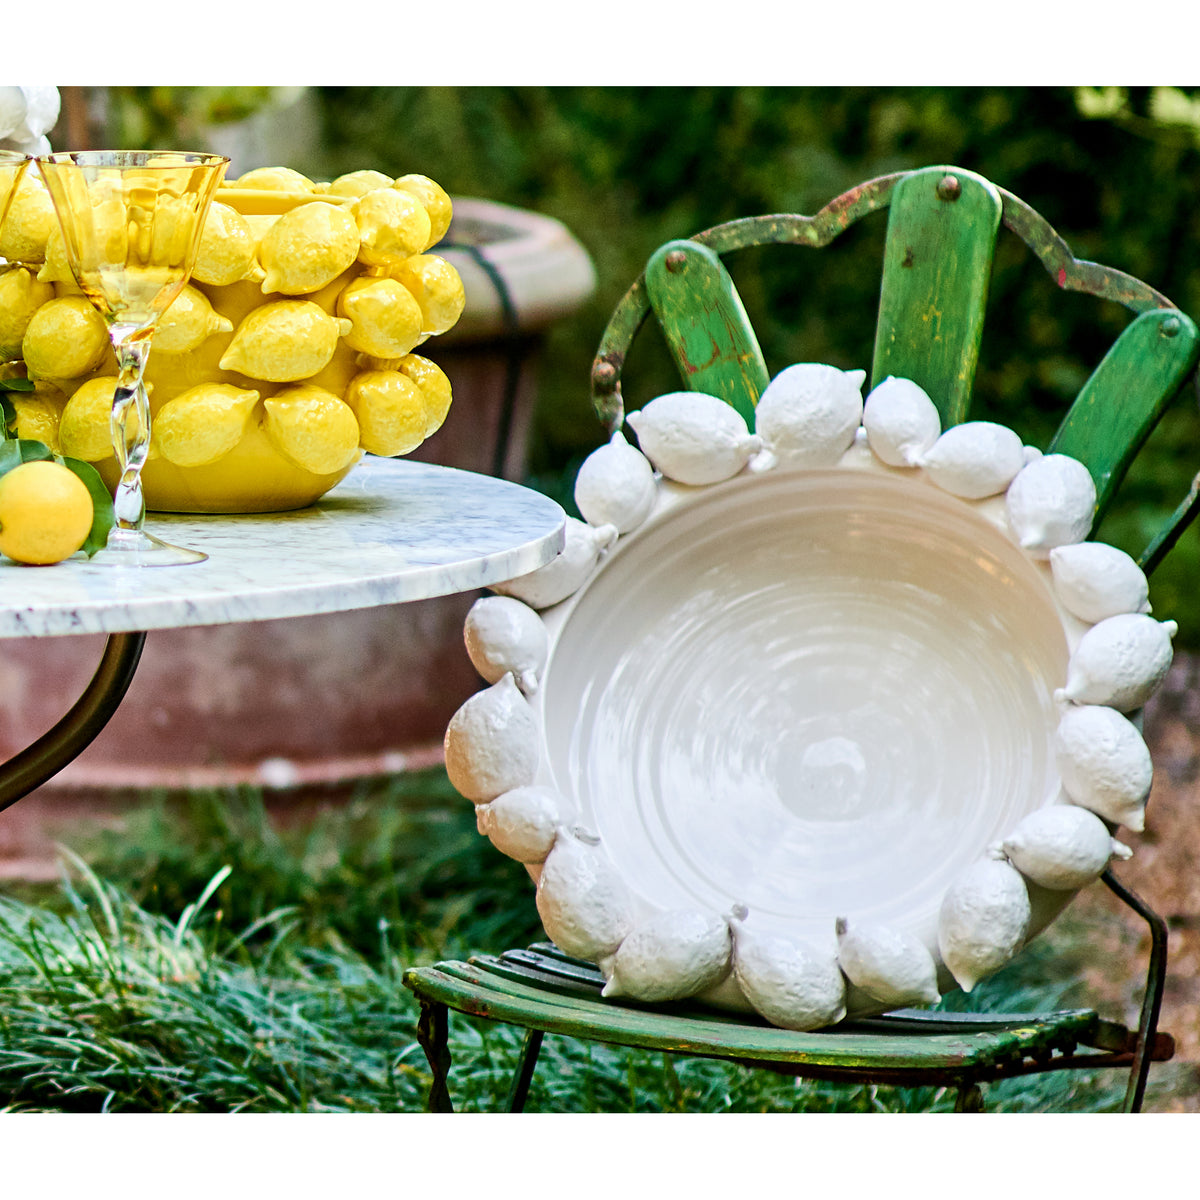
{"points": [[1116, 171]]}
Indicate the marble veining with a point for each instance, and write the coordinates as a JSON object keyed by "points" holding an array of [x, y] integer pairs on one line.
{"points": [[392, 531]]}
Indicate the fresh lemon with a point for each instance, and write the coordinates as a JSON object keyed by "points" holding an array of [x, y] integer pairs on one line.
{"points": [[29, 221], [385, 320], [65, 338], [21, 295], [276, 179], [227, 250], [45, 513], [284, 341], [308, 248], [434, 384], [434, 200], [187, 322], [312, 428], [38, 415], [84, 430], [359, 183], [203, 424], [392, 226], [391, 412], [436, 286]]}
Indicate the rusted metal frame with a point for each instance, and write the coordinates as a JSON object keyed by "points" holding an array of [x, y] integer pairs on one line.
{"points": [[771, 229], [523, 1075], [433, 1036], [1156, 976], [1076, 274], [67, 739], [1171, 532]]}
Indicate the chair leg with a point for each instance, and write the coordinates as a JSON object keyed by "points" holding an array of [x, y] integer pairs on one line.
{"points": [[1156, 973], [433, 1036], [969, 1098], [523, 1076]]}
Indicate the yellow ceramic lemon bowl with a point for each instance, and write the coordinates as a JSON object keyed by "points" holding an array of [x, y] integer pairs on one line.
{"points": [[290, 354]]}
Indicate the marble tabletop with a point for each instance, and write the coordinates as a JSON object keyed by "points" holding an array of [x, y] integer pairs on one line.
{"points": [[392, 531]]}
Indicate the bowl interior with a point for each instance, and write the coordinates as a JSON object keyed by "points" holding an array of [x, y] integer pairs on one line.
{"points": [[818, 693]]}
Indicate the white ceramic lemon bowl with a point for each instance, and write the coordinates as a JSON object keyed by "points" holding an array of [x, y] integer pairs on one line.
{"points": [[806, 701]]}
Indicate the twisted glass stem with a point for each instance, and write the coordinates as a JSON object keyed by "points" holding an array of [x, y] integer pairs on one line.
{"points": [[130, 424]]}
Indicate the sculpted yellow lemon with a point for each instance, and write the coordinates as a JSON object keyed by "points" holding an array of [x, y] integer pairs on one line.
{"points": [[358, 183], [434, 385], [21, 295], [45, 513], [65, 338], [436, 286], [312, 428], [390, 409], [276, 179], [307, 248], [392, 225], [227, 250], [38, 414], [188, 322], [56, 269], [284, 341], [202, 424], [29, 221], [83, 430], [434, 200], [385, 319]]}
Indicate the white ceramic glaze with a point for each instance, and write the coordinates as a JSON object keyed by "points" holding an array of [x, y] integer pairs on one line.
{"points": [[1051, 503], [583, 901], [1062, 847], [1120, 662], [491, 743], [808, 414], [1094, 580], [901, 421], [523, 823], [694, 438], [565, 574], [794, 984], [615, 486], [889, 965], [504, 636], [800, 695], [975, 460], [671, 956], [984, 920], [1105, 764]]}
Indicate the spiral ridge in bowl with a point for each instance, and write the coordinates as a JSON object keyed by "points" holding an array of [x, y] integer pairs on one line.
{"points": [[816, 693]]}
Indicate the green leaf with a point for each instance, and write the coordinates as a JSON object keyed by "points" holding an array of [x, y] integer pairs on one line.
{"points": [[15, 451], [17, 384], [102, 505], [9, 413]]}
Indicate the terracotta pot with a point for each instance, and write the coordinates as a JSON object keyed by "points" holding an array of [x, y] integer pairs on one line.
{"points": [[331, 698]]}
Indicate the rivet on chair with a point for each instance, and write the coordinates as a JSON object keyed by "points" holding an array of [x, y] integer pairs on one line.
{"points": [[949, 188]]}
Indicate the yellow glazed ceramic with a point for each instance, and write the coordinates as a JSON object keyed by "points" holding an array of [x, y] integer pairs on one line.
{"points": [[294, 350]]}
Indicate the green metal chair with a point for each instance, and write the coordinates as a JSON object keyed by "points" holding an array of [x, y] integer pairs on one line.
{"points": [[943, 224]]}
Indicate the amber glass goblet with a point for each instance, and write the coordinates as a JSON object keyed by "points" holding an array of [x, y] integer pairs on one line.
{"points": [[131, 223]]}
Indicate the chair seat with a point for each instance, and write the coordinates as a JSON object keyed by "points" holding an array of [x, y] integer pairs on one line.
{"points": [[542, 989]]}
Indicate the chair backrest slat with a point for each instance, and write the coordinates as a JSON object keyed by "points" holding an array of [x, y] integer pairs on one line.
{"points": [[941, 234], [705, 325], [1120, 404]]}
